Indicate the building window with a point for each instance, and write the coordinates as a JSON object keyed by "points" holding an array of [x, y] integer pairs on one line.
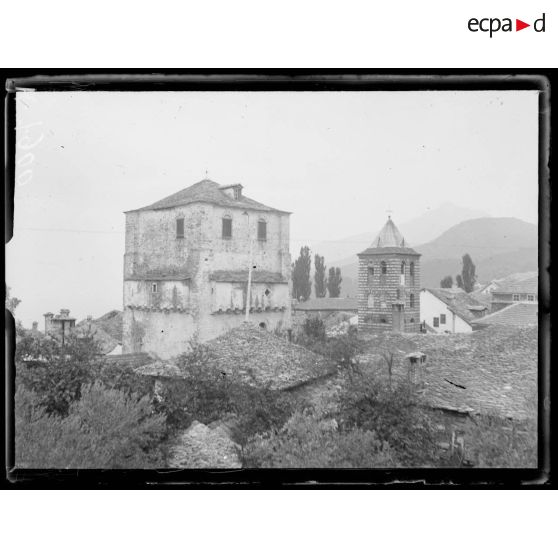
{"points": [[436, 322], [442, 318], [531, 298], [412, 269], [402, 268], [370, 300], [384, 268], [154, 287], [262, 230], [516, 298], [411, 300], [227, 227], [180, 228], [370, 275]]}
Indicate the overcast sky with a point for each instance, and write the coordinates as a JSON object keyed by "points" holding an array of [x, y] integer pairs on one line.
{"points": [[337, 160]]}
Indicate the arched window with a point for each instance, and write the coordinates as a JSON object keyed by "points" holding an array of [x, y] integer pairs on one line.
{"points": [[403, 268], [384, 268], [370, 274], [412, 269], [411, 300]]}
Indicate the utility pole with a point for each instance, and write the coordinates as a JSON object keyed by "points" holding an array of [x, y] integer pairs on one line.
{"points": [[247, 317]]}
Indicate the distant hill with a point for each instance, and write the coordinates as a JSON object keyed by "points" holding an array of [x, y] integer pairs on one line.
{"points": [[422, 229], [498, 246]]}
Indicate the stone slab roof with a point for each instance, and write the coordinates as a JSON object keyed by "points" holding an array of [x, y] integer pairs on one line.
{"points": [[459, 302], [341, 304], [527, 282], [135, 360], [262, 358], [491, 371], [207, 191], [241, 276], [106, 342], [520, 314]]}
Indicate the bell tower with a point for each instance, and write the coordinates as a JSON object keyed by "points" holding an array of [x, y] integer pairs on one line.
{"points": [[389, 284]]}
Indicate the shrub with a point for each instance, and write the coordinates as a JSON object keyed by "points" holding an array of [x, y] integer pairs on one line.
{"points": [[314, 328], [306, 441], [495, 442], [205, 393], [56, 372], [104, 429], [394, 414]]}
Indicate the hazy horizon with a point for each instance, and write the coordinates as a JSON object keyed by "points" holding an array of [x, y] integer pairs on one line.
{"points": [[338, 160]]}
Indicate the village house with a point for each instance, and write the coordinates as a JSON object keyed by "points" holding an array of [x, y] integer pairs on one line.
{"points": [[60, 325], [518, 314], [389, 284], [518, 287], [449, 310], [188, 263]]}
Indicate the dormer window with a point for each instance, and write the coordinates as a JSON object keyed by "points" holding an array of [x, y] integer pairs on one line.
{"points": [[262, 230], [236, 192], [180, 227], [226, 227]]}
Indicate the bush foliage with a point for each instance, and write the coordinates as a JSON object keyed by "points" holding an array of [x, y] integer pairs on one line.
{"points": [[104, 429]]}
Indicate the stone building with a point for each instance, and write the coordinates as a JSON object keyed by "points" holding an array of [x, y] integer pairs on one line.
{"points": [[389, 284], [59, 325], [186, 268]]}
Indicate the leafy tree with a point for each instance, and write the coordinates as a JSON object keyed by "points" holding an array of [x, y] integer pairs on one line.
{"points": [[446, 282], [320, 281], [468, 274], [334, 282], [105, 429], [11, 302], [302, 285]]}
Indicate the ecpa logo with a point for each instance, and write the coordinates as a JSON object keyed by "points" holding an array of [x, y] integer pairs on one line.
{"points": [[494, 24]]}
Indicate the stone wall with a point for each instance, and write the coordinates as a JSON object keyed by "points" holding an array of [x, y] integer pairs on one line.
{"points": [[378, 292]]}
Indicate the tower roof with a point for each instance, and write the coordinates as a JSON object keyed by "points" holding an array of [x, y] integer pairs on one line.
{"points": [[207, 191], [389, 241]]}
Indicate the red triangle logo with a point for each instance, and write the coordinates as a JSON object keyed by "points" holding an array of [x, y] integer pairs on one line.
{"points": [[519, 25]]}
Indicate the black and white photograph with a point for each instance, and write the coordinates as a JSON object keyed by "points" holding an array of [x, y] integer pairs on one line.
{"points": [[245, 280]]}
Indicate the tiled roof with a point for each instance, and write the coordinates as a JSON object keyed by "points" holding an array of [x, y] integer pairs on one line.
{"points": [[389, 241], [341, 304], [458, 301], [135, 360], [492, 371], [241, 276], [519, 283], [207, 191], [259, 357], [520, 314]]}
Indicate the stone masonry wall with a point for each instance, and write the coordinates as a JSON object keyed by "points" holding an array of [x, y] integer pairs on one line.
{"points": [[384, 289]]}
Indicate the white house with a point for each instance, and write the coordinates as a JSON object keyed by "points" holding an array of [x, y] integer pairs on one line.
{"points": [[449, 310]]}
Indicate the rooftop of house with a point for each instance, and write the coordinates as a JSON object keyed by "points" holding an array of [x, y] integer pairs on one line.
{"points": [[492, 371], [520, 314], [389, 241], [527, 282], [261, 358], [208, 191], [459, 302], [341, 304]]}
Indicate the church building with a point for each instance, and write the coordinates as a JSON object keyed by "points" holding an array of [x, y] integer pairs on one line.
{"points": [[186, 268], [389, 284]]}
